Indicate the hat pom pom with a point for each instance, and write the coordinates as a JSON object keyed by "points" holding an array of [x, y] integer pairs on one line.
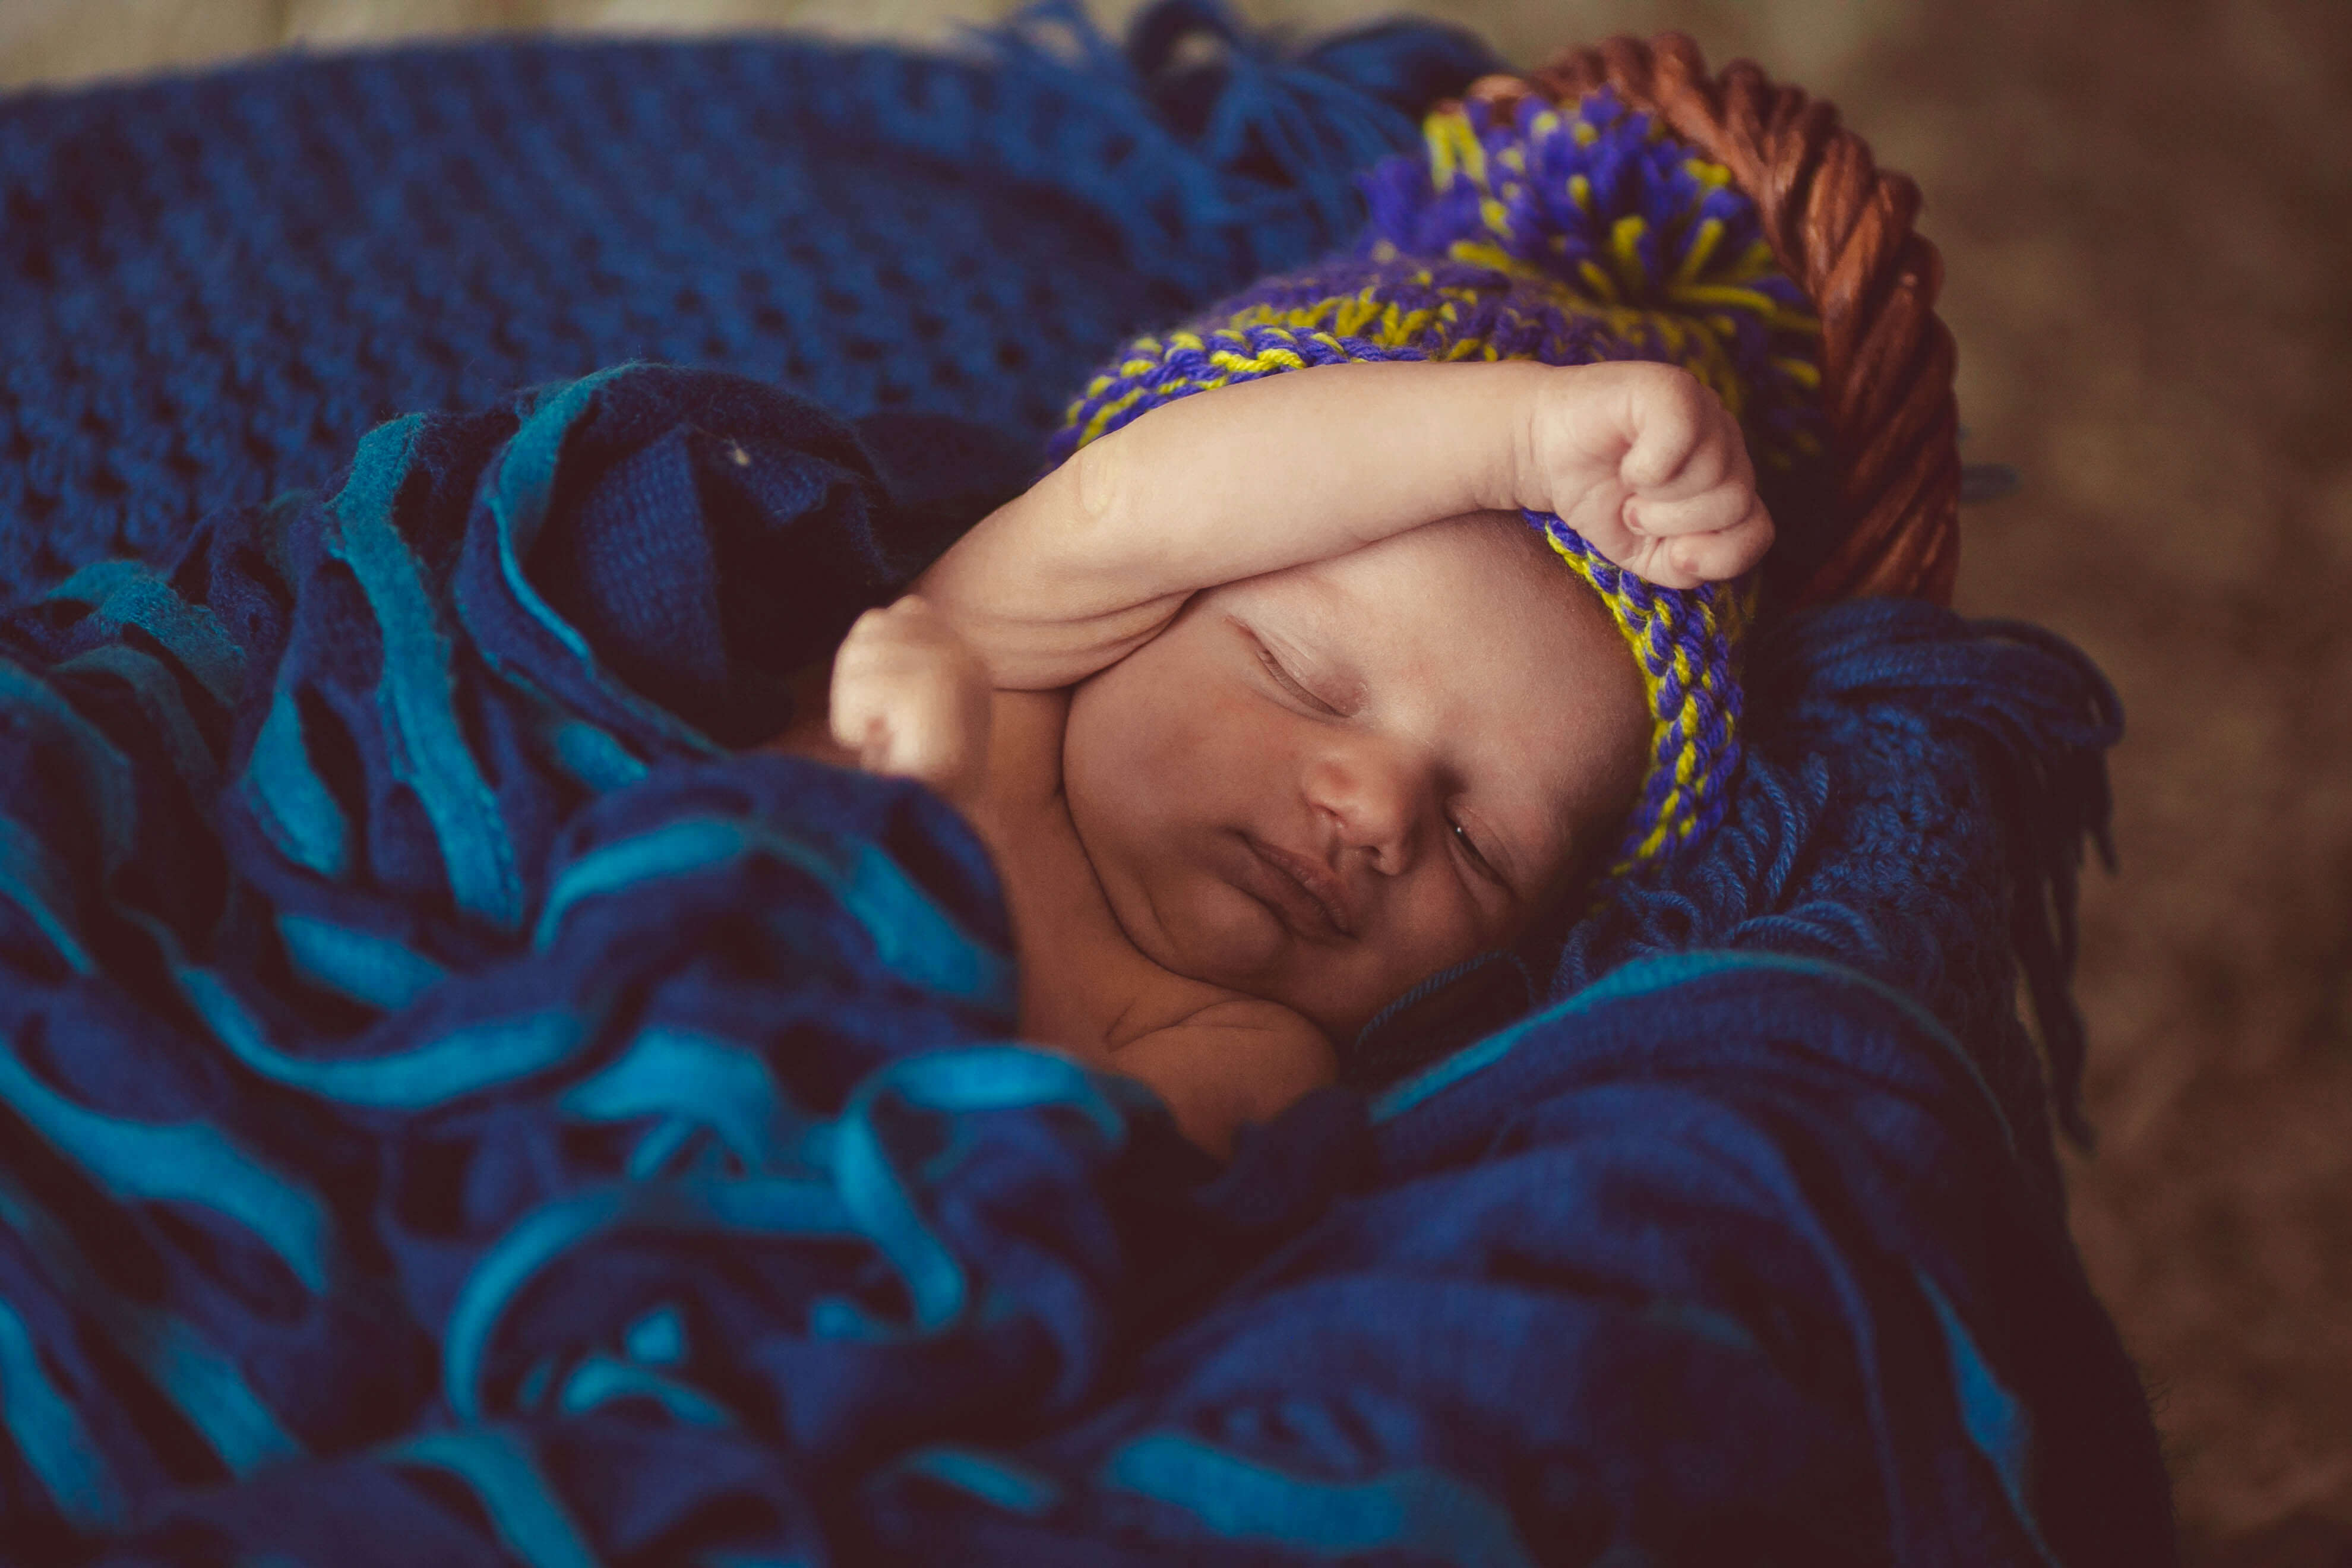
{"points": [[1601, 200]]}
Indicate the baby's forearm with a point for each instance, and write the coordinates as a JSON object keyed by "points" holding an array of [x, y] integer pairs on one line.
{"points": [[1091, 562], [1307, 466]]}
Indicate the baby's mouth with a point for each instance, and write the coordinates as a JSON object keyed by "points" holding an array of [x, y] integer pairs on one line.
{"points": [[1308, 898]]}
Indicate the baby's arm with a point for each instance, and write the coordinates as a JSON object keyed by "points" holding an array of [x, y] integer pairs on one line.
{"points": [[1095, 559]]}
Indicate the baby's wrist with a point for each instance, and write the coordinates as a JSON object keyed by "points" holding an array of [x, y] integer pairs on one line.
{"points": [[1505, 411], [1559, 411]]}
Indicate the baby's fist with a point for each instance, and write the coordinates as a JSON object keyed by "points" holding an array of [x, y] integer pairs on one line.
{"points": [[910, 698], [1648, 466]]}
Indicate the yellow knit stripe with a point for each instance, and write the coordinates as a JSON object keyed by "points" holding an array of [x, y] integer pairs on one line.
{"points": [[1625, 250], [1702, 245], [1762, 304]]}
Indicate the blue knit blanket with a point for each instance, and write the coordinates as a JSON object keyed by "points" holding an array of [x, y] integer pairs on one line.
{"points": [[455, 1107], [211, 287]]}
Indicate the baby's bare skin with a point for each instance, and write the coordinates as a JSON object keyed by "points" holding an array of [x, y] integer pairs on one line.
{"points": [[1334, 734], [1084, 988]]}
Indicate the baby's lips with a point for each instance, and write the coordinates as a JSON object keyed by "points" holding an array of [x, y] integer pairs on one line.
{"points": [[1320, 886]]}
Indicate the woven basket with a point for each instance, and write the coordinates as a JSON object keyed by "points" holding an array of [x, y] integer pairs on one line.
{"points": [[1841, 229]]}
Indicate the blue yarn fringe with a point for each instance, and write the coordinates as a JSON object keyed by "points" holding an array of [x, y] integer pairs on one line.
{"points": [[1919, 798]]}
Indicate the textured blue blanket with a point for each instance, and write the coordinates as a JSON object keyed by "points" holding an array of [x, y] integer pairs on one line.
{"points": [[454, 1110], [211, 287]]}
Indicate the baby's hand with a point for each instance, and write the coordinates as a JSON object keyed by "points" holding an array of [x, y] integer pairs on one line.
{"points": [[911, 699], [1647, 463]]}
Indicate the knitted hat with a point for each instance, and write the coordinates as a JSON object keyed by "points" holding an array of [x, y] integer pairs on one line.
{"points": [[1566, 236]]}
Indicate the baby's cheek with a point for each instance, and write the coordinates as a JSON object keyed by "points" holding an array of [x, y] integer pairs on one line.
{"points": [[1140, 747], [1438, 924], [1210, 732], [1193, 747]]}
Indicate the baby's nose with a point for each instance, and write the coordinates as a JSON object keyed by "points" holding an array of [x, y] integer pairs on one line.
{"points": [[1377, 802]]}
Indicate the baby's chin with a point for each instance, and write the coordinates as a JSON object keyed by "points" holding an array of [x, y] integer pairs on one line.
{"points": [[1200, 927], [1207, 929]]}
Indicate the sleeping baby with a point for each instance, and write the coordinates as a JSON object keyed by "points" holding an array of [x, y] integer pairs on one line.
{"points": [[1270, 704], [1268, 699]]}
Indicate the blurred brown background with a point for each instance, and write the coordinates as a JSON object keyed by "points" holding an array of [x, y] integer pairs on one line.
{"points": [[2146, 210]]}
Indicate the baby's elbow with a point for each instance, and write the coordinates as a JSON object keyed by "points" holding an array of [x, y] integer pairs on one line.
{"points": [[1098, 475]]}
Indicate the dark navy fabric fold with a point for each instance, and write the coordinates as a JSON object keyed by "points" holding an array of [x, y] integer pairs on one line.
{"points": [[456, 1107]]}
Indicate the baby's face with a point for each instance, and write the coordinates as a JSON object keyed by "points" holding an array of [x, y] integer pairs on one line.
{"points": [[1435, 734]]}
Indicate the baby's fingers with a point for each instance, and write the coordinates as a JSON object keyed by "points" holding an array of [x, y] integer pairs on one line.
{"points": [[864, 713], [901, 725], [910, 699], [1677, 447], [1710, 511], [1717, 556]]}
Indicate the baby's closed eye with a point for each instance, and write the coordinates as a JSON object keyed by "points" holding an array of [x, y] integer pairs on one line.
{"points": [[1485, 863], [1296, 676]]}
